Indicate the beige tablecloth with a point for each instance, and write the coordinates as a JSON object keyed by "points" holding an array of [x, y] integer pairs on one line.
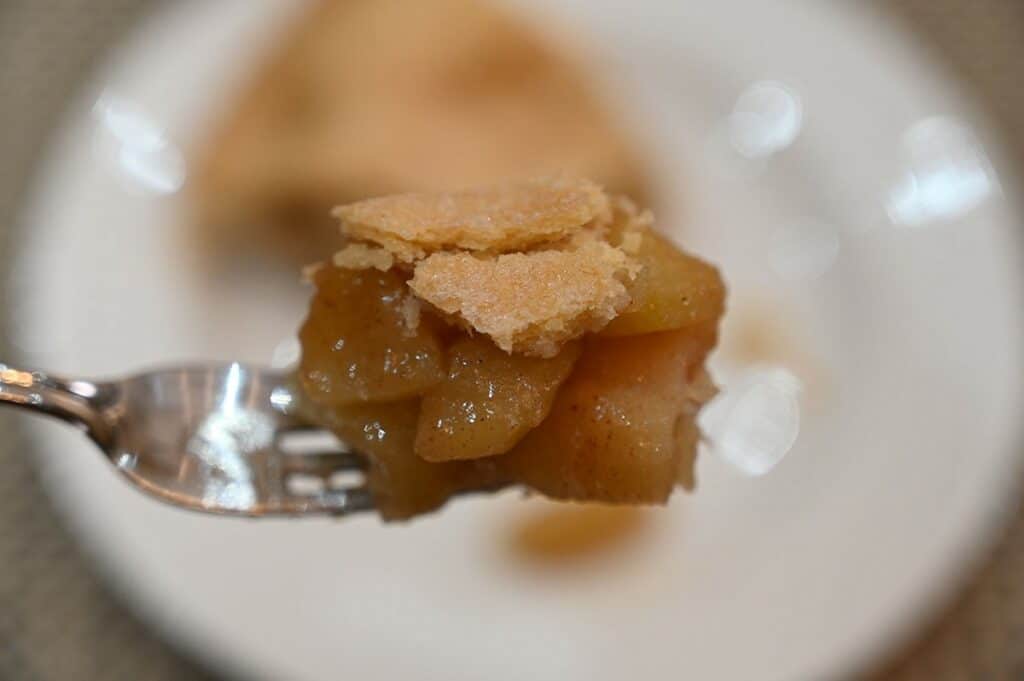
{"points": [[57, 622]]}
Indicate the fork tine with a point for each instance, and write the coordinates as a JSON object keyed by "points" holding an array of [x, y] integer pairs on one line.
{"points": [[323, 464], [335, 503], [346, 501]]}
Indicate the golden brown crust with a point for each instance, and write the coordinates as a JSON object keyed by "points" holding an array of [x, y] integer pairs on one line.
{"points": [[530, 303], [411, 310], [528, 264], [358, 256], [497, 219], [631, 242]]}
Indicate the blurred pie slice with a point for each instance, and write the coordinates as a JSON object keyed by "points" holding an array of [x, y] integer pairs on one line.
{"points": [[371, 97]]}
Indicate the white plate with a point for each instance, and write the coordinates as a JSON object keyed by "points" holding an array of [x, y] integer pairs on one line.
{"points": [[845, 194]]}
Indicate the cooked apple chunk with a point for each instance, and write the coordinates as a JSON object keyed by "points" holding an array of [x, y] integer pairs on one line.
{"points": [[490, 400], [620, 430], [358, 344]]}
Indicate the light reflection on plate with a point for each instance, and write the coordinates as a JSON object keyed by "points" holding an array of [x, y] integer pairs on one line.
{"points": [[135, 147], [766, 119], [947, 174], [754, 422]]}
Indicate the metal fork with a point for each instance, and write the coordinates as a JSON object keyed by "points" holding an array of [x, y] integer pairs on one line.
{"points": [[215, 438]]}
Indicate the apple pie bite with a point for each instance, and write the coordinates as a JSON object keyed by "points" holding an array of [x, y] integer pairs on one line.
{"points": [[539, 334]]}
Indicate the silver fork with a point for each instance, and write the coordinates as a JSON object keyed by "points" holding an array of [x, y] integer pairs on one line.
{"points": [[213, 438]]}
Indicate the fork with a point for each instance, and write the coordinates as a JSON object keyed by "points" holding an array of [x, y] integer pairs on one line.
{"points": [[216, 438]]}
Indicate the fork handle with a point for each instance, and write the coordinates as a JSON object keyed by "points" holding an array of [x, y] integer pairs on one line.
{"points": [[70, 401]]}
